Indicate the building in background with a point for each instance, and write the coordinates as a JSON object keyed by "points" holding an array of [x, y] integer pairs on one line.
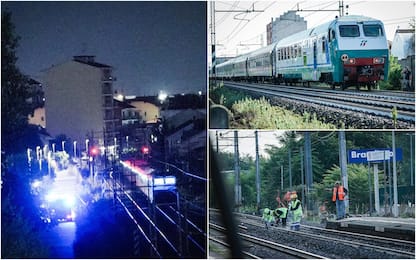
{"points": [[403, 48], [37, 101], [285, 25], [79, 101], [142, 109], [184, 127]]}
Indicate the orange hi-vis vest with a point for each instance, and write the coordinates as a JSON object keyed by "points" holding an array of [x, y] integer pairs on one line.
{"points": [[340, 193]]}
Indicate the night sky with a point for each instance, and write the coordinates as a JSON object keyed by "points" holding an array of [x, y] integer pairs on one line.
{"points": [[152, 46]]}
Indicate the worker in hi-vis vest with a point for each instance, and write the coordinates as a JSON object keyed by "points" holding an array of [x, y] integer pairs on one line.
{"points": [[338, 196], [295, 207]]}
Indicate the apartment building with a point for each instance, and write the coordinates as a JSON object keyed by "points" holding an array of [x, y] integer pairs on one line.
{"points": [[79, 102]]}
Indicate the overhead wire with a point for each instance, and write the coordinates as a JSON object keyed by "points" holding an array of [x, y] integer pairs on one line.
{"points": [[235, 32], [226, 15]]}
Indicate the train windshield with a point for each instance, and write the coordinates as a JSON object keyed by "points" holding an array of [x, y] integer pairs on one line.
{"points": [[349, 31], [372, 30]]}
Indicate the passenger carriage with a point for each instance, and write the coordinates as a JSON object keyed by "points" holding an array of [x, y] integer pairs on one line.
{"points": [[240, 68], [260, 64], [224, 70]]}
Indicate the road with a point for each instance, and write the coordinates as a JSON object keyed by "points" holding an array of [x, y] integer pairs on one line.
{"points": [[61, 238]]}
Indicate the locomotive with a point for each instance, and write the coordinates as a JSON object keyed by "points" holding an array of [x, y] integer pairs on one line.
{"points": [[347, 51]]}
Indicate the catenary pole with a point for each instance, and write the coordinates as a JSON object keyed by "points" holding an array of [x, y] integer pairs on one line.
{"points": [[257, 170], [343, 165]]}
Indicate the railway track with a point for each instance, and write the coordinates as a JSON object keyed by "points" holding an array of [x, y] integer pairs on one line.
{"points": [[163, 230], [329, 243], [264, 248], [377, 103]]}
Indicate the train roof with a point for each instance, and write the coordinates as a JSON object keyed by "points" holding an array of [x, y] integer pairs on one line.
{"points": [[323, 28], [225, 63], [300, 36], [266, 49], [240, 58], [356, 18]]}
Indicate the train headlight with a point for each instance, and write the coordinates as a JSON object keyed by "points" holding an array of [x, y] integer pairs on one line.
{"points": [[378, 60], [349, 61]]}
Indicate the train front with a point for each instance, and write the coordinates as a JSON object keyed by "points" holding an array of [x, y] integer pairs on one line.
{"points": [[361, 58]]}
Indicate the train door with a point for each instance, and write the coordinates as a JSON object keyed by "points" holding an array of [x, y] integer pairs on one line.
{"points": [[272, 57]]}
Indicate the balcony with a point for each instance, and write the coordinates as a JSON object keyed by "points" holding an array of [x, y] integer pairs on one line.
{"points": [[107, 89], [107, 78]]}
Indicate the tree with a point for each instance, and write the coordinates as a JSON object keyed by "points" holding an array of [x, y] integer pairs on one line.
{"points": [[20, 220], [14, 89], [394, 77], [20, 233], [357, 187]]}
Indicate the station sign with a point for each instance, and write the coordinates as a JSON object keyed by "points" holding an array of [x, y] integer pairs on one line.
{"points": [[373, 155]]}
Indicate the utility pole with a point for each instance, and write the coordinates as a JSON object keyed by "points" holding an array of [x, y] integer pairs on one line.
{"points": [[216, 140], [308, 167], [290, 168], [257, 170], [308, 161], [395, 196], [411, 160], [301, 173], [213, 41], [237, 172], [343, 165]]}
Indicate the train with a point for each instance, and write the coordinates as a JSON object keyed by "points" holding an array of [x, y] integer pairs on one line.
{"points": [[346, 51], [148, 179]]}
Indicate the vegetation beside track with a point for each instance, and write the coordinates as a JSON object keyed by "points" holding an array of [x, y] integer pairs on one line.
{"points": [[251, 113]]}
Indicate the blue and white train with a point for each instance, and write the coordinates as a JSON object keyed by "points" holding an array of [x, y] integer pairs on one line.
{"points": [[347, 51]]}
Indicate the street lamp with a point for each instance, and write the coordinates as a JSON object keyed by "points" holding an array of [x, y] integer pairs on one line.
{"points": [[75, 149], [38, 153], [63, 146], [86, 145], [115, 147], [53, 148], [45, 150], [28, 155], [162, 96]]}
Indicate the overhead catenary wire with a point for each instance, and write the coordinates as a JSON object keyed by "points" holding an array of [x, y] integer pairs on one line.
{"points": [[238, 28]]}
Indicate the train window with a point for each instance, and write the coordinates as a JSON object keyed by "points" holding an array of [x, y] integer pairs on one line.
{"points": [[349, 31], [323, 44], [299, 51], [372, 30], [333, 35]]}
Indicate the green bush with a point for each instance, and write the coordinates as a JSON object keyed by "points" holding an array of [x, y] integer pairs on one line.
{"points": [[393, 82]]}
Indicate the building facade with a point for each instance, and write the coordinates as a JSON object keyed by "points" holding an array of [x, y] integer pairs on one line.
{"points": [[285, 25], [403, 48], [145, 110], [79, 102]]}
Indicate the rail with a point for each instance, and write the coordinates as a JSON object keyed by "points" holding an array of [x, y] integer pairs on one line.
{"points": [[341, 100], [272, 245]]}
